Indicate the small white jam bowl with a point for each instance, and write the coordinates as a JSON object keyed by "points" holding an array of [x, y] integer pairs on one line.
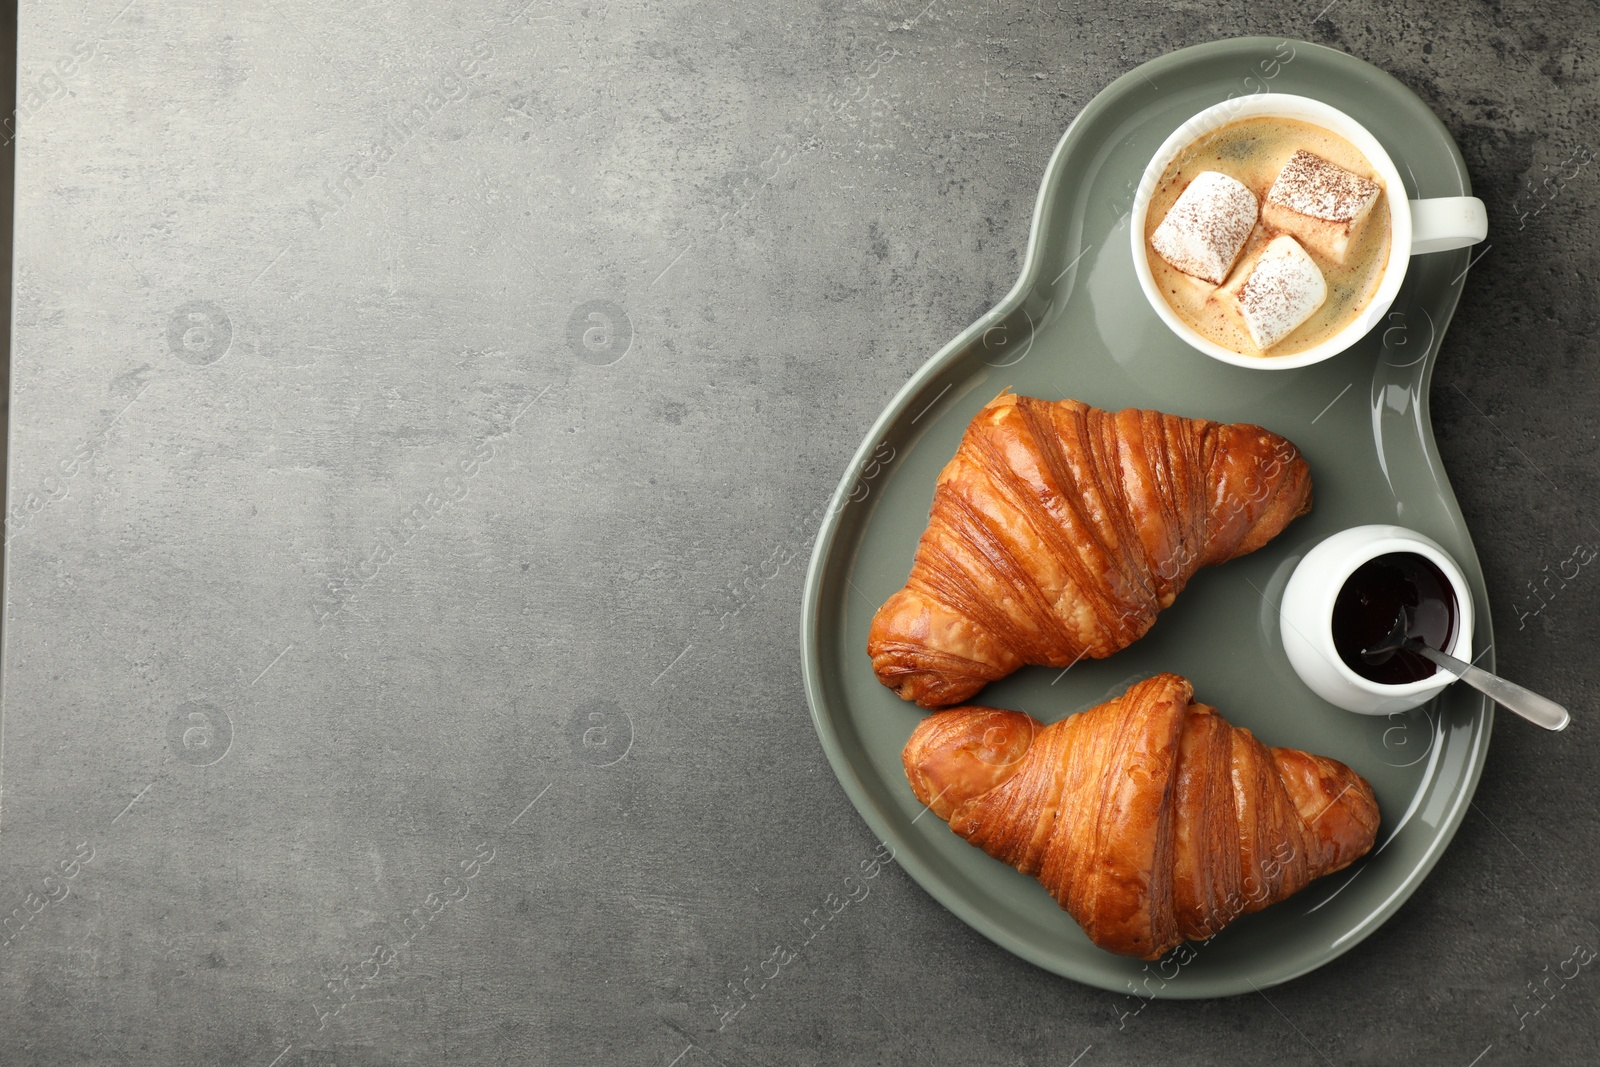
{"points": [[1306, 619]]}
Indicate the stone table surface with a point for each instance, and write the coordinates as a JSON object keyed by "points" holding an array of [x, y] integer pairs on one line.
{"points": [[402, 394]]}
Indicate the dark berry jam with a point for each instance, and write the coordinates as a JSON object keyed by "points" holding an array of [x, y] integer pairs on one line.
{"points": [[1371, 600]]}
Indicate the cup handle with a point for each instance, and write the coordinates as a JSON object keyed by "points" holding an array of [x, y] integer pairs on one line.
{"points": [[1447, 222]]}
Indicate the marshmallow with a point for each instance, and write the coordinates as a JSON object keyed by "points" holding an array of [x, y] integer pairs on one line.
{"points": [[1207, 227], [1321, 204], [1278, 292]]}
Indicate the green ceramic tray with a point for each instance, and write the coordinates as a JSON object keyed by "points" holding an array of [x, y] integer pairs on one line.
{"points": [[1076, 324]]}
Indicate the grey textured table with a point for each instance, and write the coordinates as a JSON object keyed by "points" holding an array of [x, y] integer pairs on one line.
{"points": [[419, 417]]}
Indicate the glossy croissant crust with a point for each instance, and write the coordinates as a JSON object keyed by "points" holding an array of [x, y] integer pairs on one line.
{"points": [[1060, 530], [1149, 818]]}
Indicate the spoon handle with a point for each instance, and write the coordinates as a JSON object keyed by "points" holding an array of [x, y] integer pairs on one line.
{"points": [[1509, 695]]}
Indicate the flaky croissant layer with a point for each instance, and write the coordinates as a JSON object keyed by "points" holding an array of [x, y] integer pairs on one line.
{"points": [[1059, 531], [1149, 818]]}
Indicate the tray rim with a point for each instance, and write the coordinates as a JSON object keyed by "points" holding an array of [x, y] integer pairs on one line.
{"points": [[811, 639]]}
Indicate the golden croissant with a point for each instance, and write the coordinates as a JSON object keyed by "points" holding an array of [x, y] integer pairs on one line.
{"points": [[1149, 818], [1060, 531]]}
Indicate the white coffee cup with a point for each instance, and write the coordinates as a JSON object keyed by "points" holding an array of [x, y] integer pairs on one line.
{"points": [[1415, 226], [1306, 619]]}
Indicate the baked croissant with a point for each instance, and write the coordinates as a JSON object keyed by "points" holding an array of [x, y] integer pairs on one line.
{"points": [[1060, 530], [1149, 818]]}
